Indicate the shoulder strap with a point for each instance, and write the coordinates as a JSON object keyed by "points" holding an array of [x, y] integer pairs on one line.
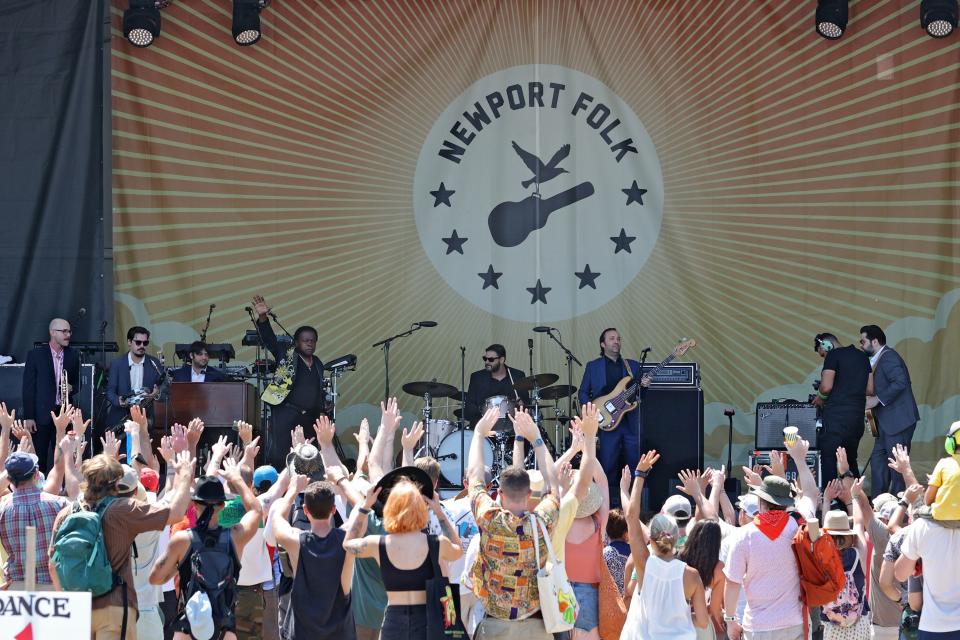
{"points": [[433, 550]]}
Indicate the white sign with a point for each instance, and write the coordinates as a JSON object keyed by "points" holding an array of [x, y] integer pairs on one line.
{"points": [[37, 615], [538, 194]]}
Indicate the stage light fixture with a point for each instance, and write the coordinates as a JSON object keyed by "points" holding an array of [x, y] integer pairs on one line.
{"points": [[141, 21], [831, 18], [246, 21], [938, 17]]}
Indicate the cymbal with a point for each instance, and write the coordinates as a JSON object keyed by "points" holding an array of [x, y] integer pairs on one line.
{"points": [[557, 391], [560, 419], [540, 380], [435, 389]]}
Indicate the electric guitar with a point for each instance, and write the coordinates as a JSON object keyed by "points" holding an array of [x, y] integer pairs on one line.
{"points": [[623, 399], [871, 421]]}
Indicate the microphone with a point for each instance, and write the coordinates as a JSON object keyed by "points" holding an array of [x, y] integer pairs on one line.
{"points": [[449, 456], [543, 329], [213, 306], [248, 309], [82, 312], [729, 412], [426, 323], [529, 343], [646, 350]]}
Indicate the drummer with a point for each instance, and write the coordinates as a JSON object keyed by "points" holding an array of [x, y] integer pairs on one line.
{"points": [[495, 379]]}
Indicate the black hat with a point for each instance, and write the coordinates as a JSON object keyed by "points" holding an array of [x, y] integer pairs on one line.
{"points": [[415, 475], [209, 490]]}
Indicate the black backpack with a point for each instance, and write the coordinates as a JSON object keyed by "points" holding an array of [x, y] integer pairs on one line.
{"points": [[214, 569]]}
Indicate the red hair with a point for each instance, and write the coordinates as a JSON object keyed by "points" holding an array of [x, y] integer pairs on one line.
{"points": [[405, 510]]}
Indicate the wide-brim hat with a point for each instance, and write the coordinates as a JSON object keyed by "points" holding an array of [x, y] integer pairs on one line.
{"points": [[305, 459], [837, 523], [775, 490], [209, 490], [415, 475], [591, 502]]}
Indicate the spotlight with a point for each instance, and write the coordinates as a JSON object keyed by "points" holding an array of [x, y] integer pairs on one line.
{"points": [[831, 18], [141, 21], [938, 17], [246, 21]]}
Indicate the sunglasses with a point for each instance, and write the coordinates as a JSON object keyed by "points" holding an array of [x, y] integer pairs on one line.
{"points": [[64, 330], [494, 359], [141, 343]]}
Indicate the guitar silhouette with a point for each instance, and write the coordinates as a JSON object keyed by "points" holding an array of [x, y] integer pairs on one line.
{"points": [[511, 222]]}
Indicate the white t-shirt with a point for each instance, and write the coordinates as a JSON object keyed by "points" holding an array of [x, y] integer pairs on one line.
{"points": [[461, 516], [939, 548]]}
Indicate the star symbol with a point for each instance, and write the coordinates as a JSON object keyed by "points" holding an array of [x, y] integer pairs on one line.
{"points": [[587, 277], [622, 241], [442, 196], [455, 243], [539, 292], [490, 278], [634, 193]]}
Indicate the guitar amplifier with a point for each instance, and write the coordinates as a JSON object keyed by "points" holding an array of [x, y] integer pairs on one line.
{"points": [[772, 417], [813, 463], [676, 375]]}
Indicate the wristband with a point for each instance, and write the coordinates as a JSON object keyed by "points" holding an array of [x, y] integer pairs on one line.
{"points": [[822, 395], [637, 473], [903, 503], [518, 438], [340, 479], [363, 510], [537, 442], [727, 618]]}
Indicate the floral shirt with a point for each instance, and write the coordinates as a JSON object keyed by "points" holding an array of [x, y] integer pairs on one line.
{"points": [[504, 575]]}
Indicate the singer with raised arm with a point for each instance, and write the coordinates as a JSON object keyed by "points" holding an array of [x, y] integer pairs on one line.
{"points": [[134, 379], [296, 392], [43, 375], [496, 379], [620, 446]]}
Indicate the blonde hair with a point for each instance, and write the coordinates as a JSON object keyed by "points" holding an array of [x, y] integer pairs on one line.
{"points": [[664, 532], [405, 510], [101, 473]]}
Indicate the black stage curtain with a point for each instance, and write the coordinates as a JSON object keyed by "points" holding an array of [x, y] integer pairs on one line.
{"points": [[54, 186]]}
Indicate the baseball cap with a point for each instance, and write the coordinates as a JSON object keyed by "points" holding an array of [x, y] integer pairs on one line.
{"points": [[130, 480], [678, 507], [886, 510], [264, 474], [150, 479], [882, 499], [749, 504], [955, 427], [20, 465]]}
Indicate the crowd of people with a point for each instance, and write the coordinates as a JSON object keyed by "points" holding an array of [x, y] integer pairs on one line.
{"points": [[315, 550]]}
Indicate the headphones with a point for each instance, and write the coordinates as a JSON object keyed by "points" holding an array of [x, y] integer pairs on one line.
{"points": [[825, 344], [950, 444]]}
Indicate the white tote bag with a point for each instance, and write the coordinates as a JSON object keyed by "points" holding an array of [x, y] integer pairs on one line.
{"points": [[558, 604]]}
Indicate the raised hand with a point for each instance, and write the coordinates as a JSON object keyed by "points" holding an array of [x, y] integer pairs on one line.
{"points": [[325, 431], [68, 446], [252, 449], [832, 491], [363, 434], [111, 446], [194, 431], [373, 492], [245, 431], [690, 482], [26, 443], [231, 472], [842, 464], [576, 435], [900, 462], [524, 425], [485, 424], [7, 417], [799, 452], [752, 476], [260, 306], [647, 460], [178, 438], [913, 493], [409, 439], [565, 476], [184, 464], [61, 419], [298, 483], [138, 415], [296, 437], [390, 414], [626, 477], [79, 424], [588, 420], [167, 451], [857, 488], [220, 447], [19, 430], [778, 464]]}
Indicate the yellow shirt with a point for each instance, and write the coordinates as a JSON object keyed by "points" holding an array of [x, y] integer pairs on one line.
{"points": [[568, 513], [946, 476]]}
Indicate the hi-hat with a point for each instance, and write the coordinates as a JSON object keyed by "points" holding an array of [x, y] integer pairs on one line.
{"points": [[435, 389], [557, 391], [540, 380]]}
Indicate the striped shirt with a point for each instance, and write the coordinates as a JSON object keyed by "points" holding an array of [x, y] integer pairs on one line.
{"points": [[28, 507]]}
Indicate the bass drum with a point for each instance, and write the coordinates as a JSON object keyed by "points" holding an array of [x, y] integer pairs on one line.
{"points": [[448, 455]]}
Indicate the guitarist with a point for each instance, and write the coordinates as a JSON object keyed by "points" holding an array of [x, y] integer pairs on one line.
{"points": [[622, 445], [894, 408]]}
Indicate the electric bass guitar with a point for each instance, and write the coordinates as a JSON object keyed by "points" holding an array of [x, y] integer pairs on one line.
{"points": [[871, 421], [624, 398]]}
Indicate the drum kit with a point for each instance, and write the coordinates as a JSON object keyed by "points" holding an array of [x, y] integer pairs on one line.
{"points": [[448, 441]]}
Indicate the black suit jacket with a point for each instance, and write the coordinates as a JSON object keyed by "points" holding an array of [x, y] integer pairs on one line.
{"points": [[39, 385], [213, 374], [118, 383], [891, 384]]}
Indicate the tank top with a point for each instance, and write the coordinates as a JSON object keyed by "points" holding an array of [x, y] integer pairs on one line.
{"points": [[395, 579], [318, 607], [583, 558], [659, 608]]}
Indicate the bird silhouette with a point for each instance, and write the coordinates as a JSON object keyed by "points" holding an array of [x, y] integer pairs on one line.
{"points": [[542, 172]]}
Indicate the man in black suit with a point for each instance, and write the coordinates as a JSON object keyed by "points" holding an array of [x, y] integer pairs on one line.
{"points": [[894, 408], [197, 370], [41, 387], [132, 372]]}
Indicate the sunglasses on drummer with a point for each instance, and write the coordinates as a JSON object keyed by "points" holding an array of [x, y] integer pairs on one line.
{"points": [[493, 359]]}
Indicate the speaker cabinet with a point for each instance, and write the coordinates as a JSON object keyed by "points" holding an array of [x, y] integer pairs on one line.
{"points": [[673, 425], [773, 417]]}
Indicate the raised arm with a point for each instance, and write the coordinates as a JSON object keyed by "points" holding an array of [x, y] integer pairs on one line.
{"points": [[475, 464], [326, 431], [900, 462], [524, 425], [409, 440], [183, 466], [382, 449], [587, 426], [355, 542], [808, 484], [638, 538], [139, 416], [286, 534]]}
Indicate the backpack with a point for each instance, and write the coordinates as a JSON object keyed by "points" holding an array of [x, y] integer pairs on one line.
{"points": [[80, 552], [846, 610], [820, 567], [214, 569]]}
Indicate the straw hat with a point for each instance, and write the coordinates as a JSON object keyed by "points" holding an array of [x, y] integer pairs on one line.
{"points": [[837, 523], [591, 502]]}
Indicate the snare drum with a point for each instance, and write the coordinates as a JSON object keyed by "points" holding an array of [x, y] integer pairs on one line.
{"points": [[438, 430], [448, 455], [507, 406]]}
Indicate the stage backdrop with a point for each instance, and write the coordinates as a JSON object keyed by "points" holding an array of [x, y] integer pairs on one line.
{"points": [[674, 169]]}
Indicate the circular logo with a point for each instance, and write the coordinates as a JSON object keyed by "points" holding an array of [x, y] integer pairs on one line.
{"points": [[538, 194]]}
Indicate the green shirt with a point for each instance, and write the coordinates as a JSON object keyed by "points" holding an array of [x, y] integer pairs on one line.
{"points": [[369, 594]]}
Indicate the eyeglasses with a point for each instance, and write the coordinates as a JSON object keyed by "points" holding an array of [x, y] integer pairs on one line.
{"points": [[64, 330], [493, 359], [141, 343]]}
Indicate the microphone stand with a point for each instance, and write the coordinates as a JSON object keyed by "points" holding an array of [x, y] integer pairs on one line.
{"points": [[463, 410], [277, 320], [570, 360], [530, 347], [385, 346], [206, 327]]}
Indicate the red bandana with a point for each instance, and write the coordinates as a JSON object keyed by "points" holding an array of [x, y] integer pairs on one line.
{"points": [[771, 523]]}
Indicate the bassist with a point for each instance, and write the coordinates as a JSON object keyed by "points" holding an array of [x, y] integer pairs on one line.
{"points": [[621, 445]]}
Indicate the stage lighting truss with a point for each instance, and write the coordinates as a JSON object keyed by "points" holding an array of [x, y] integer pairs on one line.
{"points": [[831, 18], [246, 21], [938, 17], [141, 21]]}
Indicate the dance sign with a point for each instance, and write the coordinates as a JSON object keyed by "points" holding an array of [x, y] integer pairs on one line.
{"points": [[538, 194], [36, 615]]}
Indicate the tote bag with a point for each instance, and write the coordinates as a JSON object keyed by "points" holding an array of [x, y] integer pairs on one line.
{"points": [[558, 604]]}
